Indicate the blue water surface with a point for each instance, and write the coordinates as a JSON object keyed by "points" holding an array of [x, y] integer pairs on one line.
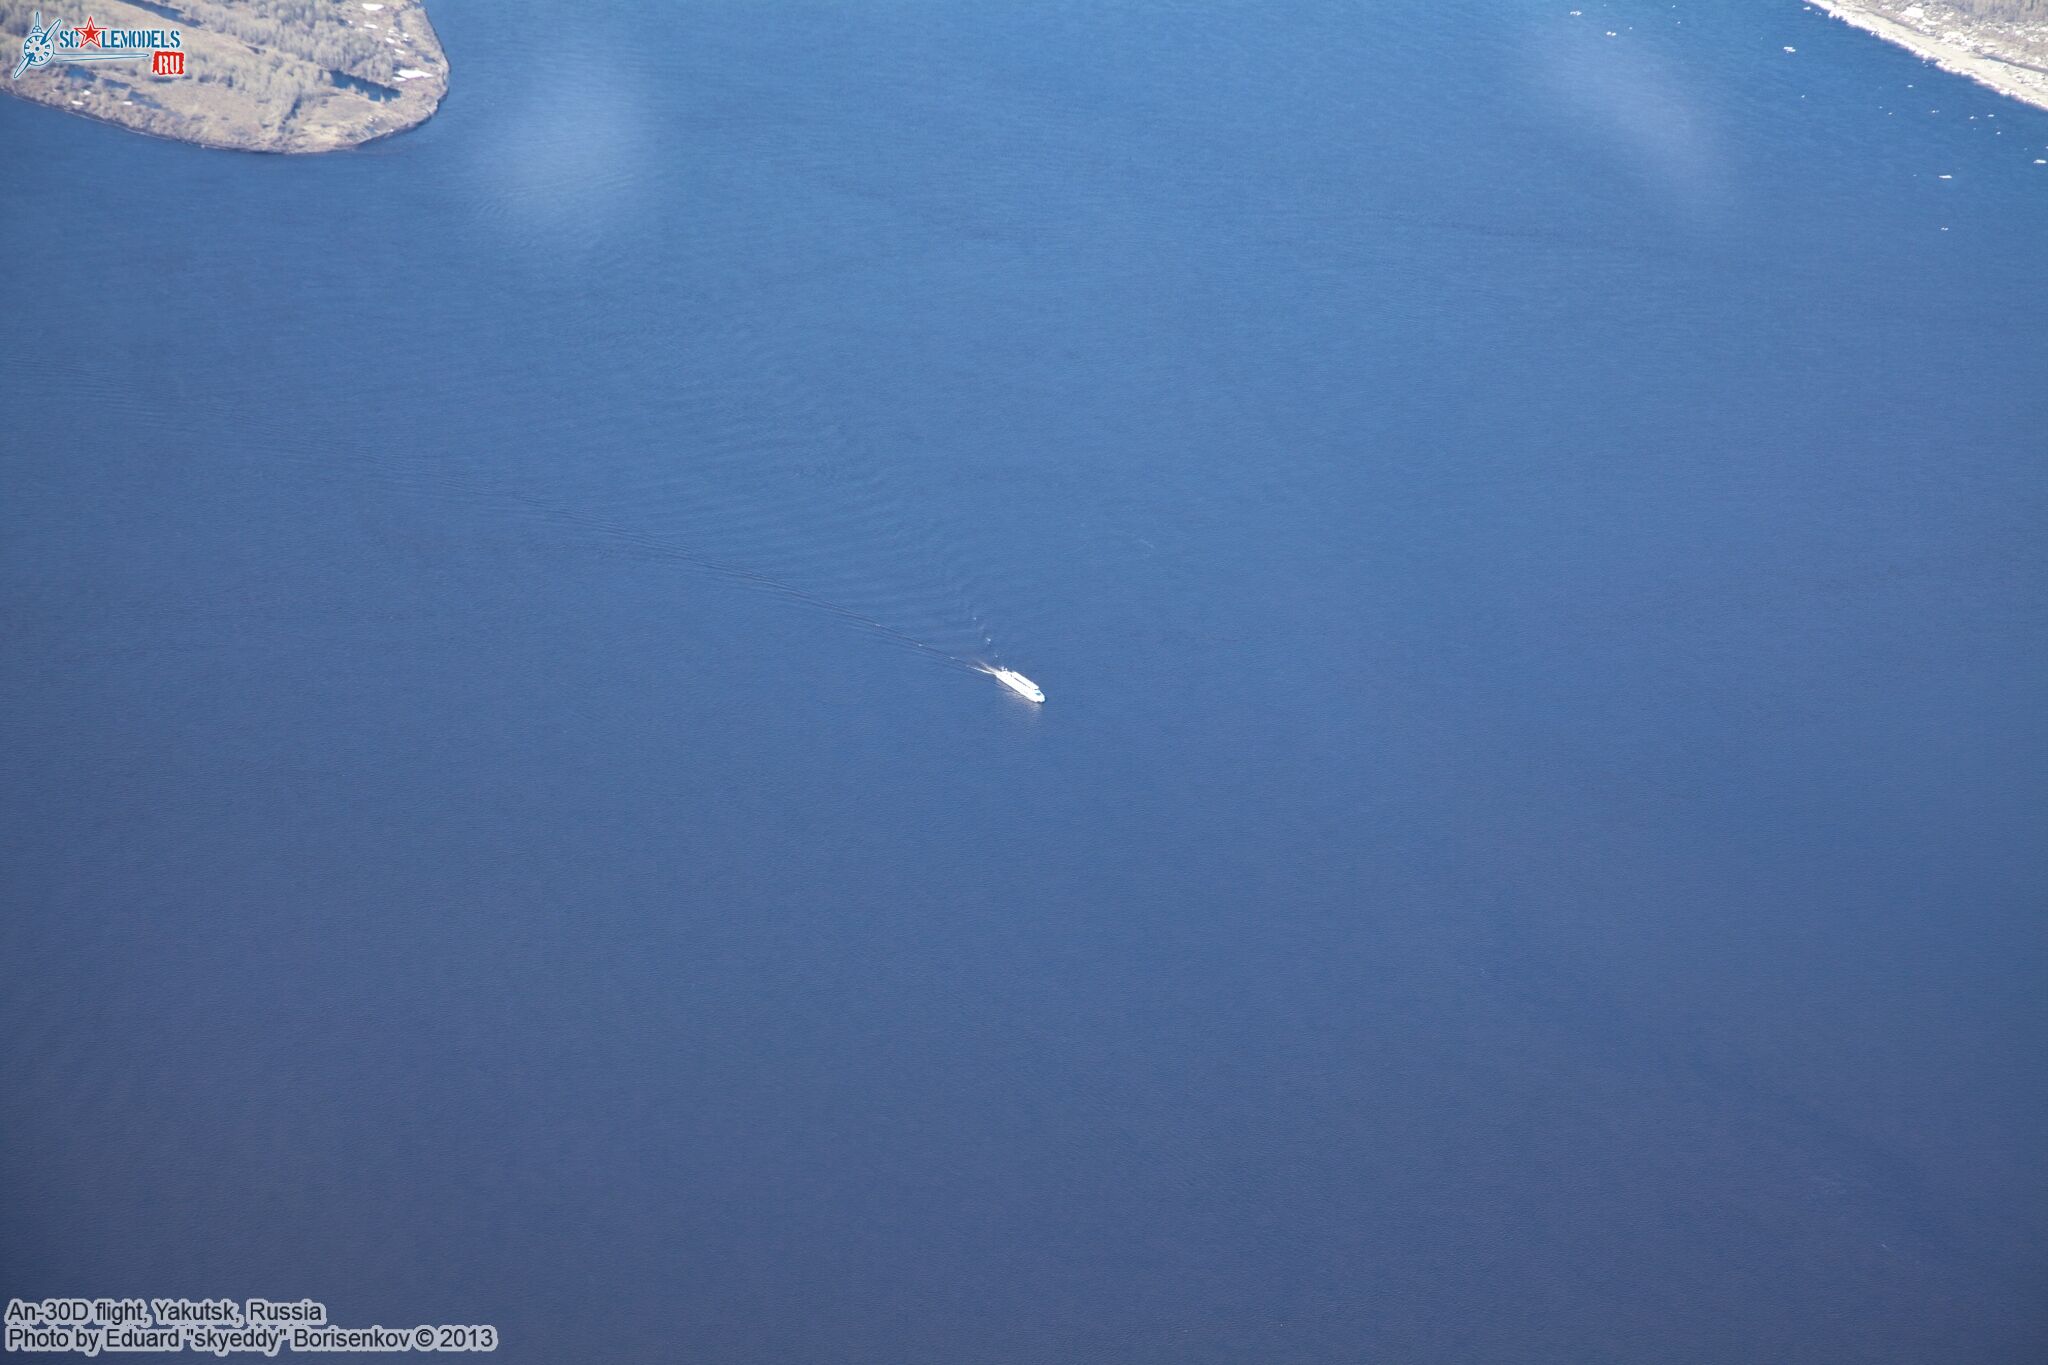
{"points": [[1530, 526]]}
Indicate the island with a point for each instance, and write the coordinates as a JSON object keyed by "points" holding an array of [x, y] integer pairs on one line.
{"points": [[255, 75], [2000, 43]]}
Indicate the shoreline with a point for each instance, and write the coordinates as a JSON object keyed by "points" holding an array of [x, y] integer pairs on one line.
{"points": [[1994, 55], [252, 76]]}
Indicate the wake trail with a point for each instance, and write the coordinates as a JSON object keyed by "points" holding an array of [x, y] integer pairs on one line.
{"points": [[735, 573]]}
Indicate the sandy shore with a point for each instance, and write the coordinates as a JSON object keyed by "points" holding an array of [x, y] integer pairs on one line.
{"points": [[2011, 58], [258, 75]]}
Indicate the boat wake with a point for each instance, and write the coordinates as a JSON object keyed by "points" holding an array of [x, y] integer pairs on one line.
{"points": [[760, 481]]}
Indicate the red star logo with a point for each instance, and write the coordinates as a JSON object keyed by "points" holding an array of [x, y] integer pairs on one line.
{"points": [[89, 36]]}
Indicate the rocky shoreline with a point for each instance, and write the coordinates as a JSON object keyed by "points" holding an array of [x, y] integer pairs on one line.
{"points": [[1979, 39], [258, 75]]}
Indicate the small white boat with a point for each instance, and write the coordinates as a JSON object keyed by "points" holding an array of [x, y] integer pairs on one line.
{"points": [[1017, 682]]}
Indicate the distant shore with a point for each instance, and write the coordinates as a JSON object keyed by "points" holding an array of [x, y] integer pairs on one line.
{"points": [[251, 75], [2009, 56]]}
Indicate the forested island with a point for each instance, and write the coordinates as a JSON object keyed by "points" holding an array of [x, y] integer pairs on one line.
{"points": [[2001, 43], [258, 75]]}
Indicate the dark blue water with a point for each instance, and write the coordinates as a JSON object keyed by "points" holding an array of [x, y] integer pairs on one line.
{"points": [[1532, 540]]}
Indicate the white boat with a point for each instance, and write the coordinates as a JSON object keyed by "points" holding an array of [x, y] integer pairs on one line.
{"points": [[1017, 682]]}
